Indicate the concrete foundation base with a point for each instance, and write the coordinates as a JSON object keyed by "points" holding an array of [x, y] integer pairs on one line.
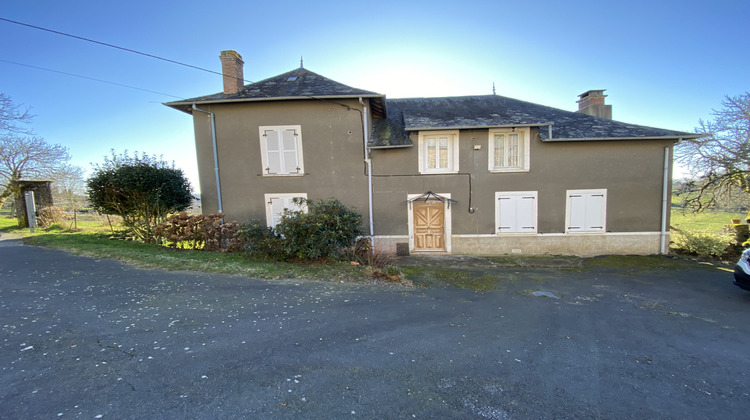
{"points": [[583, 245]]}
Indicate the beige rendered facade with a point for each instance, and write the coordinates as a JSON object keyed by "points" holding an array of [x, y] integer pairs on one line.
{"points": [[332, 152], [631, 173], [467, 175]]}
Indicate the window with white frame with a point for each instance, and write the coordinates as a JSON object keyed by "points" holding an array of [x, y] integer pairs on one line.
{"points": [[438, 151], [276, 204], [281, 150], [516, 212], [509, 150], [586, 211]]}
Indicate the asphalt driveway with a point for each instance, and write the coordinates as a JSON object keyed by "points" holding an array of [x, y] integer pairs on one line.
{"points": [[86, 338]]}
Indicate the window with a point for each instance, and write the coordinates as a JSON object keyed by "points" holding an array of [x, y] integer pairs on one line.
{"points": [[509, 150], [281, 150], [515, 212], [438, 151], [586, 211], [277, 203]]}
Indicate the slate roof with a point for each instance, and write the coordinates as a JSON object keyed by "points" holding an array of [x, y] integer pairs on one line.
{"points": [[299, 83], [414, 114], [465, 112]]}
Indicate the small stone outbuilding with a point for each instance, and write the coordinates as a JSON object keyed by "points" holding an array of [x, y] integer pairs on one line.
{"points": [[42, 198]]}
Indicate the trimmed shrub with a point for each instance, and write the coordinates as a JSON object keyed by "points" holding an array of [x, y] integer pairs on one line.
{"points": [[702, 244], [48, 216], [261, 240], [206, 232], [224, 237], [141, 189], [323, 232], [180, 231]]}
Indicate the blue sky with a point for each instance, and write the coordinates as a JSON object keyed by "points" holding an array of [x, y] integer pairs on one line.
{"points": [[665, 64]]}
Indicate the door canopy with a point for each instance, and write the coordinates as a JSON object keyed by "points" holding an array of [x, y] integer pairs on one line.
{"points": [[429, 195]]}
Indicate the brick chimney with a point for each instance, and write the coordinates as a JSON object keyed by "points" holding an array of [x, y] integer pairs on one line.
{"points": [[231, 69], [592, 103]]}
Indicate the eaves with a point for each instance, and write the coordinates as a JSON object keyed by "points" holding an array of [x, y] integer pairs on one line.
{"points": [[674, 138], [185, 106]]}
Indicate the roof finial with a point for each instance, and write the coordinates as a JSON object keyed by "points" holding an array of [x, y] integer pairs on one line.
{"points": [[301, 63], [493, 88]]}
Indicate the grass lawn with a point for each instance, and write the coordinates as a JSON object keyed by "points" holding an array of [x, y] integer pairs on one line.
{"points": [[93, 238], [154, 256], [709, 221], [712, 221]]}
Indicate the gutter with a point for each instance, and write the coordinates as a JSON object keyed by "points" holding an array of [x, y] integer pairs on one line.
{"points": [[184, 105], [216, 154], [368, 160], [675, 138]]}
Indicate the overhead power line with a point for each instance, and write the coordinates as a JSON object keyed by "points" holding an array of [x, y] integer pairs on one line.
{"points": [[90, 78], [114, 46]]}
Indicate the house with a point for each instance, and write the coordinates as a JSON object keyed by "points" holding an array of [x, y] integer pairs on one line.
{"points": [[465, 175]]}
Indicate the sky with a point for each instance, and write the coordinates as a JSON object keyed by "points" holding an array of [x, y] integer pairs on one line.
{"points": [[664, 64]]}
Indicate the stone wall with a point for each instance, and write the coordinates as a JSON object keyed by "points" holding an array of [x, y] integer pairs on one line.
{"points": [[42, 198]]}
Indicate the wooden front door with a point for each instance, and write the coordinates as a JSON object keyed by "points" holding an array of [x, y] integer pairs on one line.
{"points": [[429, 226]]}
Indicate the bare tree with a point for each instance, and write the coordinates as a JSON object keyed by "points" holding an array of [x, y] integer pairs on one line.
{"points": [[23, 155], [69, 188], [27, 158], [13, 116], [721, 158]]}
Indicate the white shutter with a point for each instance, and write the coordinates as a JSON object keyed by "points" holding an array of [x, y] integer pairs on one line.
{"points": [[289, 147], [577, 203], [525, 213], [281, 150], [507, 208], [586, 211], [273, 152], [278, 204], [516, 212], [594, 217]]}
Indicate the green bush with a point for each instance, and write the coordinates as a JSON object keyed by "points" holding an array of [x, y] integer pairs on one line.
{"points": [[261, 240], [702, 244], [741, 234], [141, 189], [322, 232]]}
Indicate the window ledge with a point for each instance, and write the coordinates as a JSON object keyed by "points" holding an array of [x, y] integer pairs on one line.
{"points": [[423, 172], [503, 171], [515, 233], [279, 175]]}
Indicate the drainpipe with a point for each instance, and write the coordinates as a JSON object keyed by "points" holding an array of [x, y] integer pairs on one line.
{"points": [[216, 154], [368, 160], [665, 202]]}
